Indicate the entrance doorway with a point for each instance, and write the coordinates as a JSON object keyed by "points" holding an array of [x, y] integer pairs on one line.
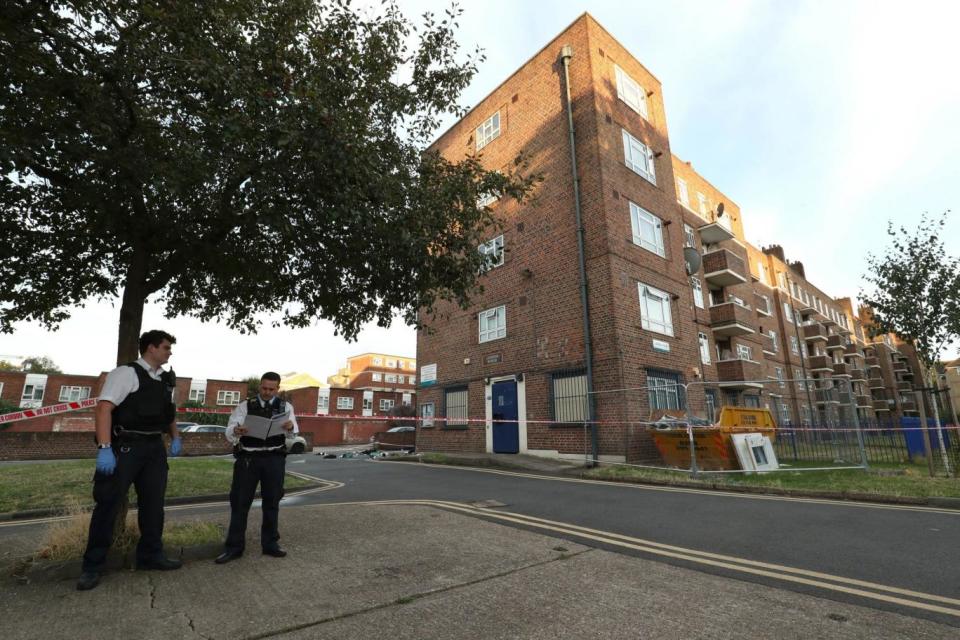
{"points": [[506, 430]]}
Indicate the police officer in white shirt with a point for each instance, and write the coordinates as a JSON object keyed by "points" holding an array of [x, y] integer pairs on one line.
{"points": [[258, 460], [136, 407]]}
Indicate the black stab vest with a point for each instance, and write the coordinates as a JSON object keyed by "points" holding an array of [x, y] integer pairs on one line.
{"points": [[274, 408], [150, 407]]}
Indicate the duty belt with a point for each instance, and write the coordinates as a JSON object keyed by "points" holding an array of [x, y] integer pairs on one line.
{"points": [[133, 434]]}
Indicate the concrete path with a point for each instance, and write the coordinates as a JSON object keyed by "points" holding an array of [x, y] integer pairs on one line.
{"points": [[420, 572]]}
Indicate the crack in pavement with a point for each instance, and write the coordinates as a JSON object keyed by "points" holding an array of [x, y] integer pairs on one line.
{"points": [[153, 592], [416, 596]]}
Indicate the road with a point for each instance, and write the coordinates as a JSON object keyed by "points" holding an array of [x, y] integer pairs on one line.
{"points": [[901, 559]]}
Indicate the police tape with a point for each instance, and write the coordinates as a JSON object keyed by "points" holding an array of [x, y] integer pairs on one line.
{"points": [[66, 407]]}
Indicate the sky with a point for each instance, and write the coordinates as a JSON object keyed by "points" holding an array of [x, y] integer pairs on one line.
{"points": [[821, 120]]}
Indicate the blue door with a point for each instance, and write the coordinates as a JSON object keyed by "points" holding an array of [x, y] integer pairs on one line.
{"points": [[506, 431]]}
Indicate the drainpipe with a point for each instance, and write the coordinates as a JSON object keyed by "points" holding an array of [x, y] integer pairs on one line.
{"points": [[566, 52]]}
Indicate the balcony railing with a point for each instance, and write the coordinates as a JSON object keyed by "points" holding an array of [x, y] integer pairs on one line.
{"points": [[823, 396], [881, 405], [864, 402], [731, 319], [876, 383], [858, 374], [813, 332], [841, 369], [820, 363], [903, 385], [714, 232], [722, 268], [835, 342], [739, 374], [852, 351]]}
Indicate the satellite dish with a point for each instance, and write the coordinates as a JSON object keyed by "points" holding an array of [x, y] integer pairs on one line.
{"points": [[719, 209], [692, 260]]}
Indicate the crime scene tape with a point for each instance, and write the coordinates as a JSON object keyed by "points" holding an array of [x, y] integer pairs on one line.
{"points": [[50, 410]]}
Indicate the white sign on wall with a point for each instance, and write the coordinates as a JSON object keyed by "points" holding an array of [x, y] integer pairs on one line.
{"points": [[428, 375]]}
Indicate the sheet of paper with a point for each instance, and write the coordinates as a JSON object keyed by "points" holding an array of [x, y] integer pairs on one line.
{"points": [[263, 428]]}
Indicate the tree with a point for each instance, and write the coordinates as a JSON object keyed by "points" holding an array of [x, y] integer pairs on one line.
{"points": [[916, 290], [39, 364], [234, 157], [6, 365]]}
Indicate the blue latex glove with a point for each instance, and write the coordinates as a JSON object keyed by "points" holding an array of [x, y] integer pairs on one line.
{"points": [[175, 447], [106, 461]]}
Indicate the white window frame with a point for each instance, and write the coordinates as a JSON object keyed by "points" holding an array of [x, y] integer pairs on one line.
{"points": [[492, 247], [656, 313], [704, 342], [641, 220], [630, 91], [697, 287], [376, 377], [773, 339], [32, 395], [492, 324], [412, 379], [689, 236], [391, 363], [703, 204], [779, 373], [766, 303], [323, 401], [386, 404], [390, 378], [794, 345], [486, 199], [798, 375], [744, 352], [787, 312], [427, 414], [74, 393], [488, 131], [638, 157], [377, 362], [228, 398], [344, 402], [197, 395], [683, 193]]}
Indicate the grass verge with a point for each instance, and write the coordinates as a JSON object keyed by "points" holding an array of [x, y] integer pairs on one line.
{"points": [[68, 484], [905, 481]]}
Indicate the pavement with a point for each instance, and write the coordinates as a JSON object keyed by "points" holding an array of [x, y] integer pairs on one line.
{"points": [[423, 571]]}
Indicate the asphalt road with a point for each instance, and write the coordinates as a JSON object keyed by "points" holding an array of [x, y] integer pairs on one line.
{"points": [[902, 559]]}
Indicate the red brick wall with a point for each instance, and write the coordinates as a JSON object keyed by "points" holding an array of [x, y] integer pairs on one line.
{"points": [[12, 386], [215, 386]]}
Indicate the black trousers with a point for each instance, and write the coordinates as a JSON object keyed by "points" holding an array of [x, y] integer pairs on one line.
{"points": [[267, 470], [142, 463]]}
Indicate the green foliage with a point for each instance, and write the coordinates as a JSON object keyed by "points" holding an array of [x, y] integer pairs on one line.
{"points": [[253, 385], [916, 289], [196, 412], [40, 364], [235, 157], [6, 365]]}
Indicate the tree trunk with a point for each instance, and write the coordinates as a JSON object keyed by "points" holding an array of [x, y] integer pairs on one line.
{"points": [[128, 341]]}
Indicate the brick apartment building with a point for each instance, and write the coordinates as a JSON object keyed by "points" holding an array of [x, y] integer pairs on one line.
{"points": [[32, 390], [745, 327]]}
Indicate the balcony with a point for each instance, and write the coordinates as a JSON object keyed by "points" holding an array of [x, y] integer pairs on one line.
{"points": [[762, 305], [835, 342], [881, 405], [873, 362], [730, 319], [864, 402], [769, 346], [805, 308], [721, 268], [908, 406], [820, 364], [841, 369], [714, 232], [852, 351], [739, 374], [814, 332], [877, 383], [903, 385], [825, 396], [900, 366], [858, 374]]}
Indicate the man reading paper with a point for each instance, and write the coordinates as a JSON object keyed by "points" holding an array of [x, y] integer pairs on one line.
{"points": [[259, 460]]}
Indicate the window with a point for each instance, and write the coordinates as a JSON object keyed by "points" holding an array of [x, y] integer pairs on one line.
{"points": [[569, 394], [427, 414], [689, 237], [345, 402], [683, 195], [493, 251], [32, 393], [744, 352], [486, 199], [493, 324], [376, 377], [664, 391], [655, 310], [782, 280], [386, 405], [391, 378], [391, 364], [779, 372], [794, 345], [488, 131], [785, 412], [697, 291], [703, 203], [198, 395], [798, 376], [765, 306], [367, 404], [773, 341], [73, 394], [647, 230], [704, 348], [638, 157], [630, 92], [455, 405], [412, 379], [377, 362], [787, 312], [323, 401], [225, 397], [761, 271]]}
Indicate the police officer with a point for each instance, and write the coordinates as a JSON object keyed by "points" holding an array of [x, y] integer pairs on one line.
{"points": [[136, 406], [260, 461]]}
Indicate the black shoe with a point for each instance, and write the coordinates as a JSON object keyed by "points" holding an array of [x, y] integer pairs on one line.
{"points": [[88, 580], [161, 564], [276, 552], [227, 556]]}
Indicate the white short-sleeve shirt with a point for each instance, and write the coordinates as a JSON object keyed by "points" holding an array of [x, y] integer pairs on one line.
{"points": [[123, 381]]}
